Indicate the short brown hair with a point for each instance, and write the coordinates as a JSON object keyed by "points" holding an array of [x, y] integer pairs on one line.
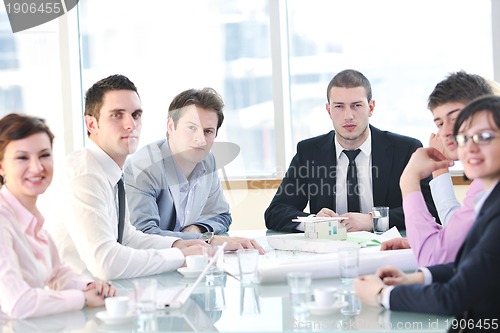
{"points": [[95, 94], [206, 98], [350, 78], [458, 87]]}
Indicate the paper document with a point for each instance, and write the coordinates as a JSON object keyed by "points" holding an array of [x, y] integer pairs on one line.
{"points": [[318, 218], [297, 241], [276, 263]]}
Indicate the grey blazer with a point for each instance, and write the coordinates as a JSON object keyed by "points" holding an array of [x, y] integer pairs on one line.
{"points": [[153, 193]]}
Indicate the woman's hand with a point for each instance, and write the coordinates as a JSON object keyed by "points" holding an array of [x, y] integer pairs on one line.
{"points": [[95, 293], [392, 276]]}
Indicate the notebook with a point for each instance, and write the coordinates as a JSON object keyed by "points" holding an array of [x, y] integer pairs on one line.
{"points": [[174, 298]]}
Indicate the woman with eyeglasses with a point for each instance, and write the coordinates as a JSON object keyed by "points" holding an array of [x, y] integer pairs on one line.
{"points": [[33, 280], [467, 288]]}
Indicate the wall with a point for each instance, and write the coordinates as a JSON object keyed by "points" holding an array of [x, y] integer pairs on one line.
{"points": [[248, 206]]}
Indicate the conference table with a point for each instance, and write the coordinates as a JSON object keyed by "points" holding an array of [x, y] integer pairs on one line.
{"points": [[229, 306]]}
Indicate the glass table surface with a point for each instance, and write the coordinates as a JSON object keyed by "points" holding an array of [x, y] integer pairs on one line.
{"points": [[227, 306]]}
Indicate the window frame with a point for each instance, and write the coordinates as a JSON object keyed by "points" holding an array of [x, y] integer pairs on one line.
{"points": [[73, 92]]}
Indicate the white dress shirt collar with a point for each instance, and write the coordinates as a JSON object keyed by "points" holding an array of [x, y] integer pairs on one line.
{"points": [[366, 147], [112, 171]]}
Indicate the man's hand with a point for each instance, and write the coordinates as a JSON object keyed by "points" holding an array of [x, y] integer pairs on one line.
{"points": [[193, 229], [437, 143], [357, 222], [237, 243], [326, 212], [426, 160], [190, 247], [422, 163], [395, 244], [367, 287]]}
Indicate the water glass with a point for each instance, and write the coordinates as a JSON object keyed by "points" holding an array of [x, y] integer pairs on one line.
{"points": [[215, 298], [353, 304], [380, 219], [348, 264], [249, 300], [145, 295], [217, 269], [300, 289], [248, 263]]}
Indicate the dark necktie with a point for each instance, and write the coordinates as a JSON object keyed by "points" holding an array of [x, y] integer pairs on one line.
{"points": [[353, 205], [121, 209]]}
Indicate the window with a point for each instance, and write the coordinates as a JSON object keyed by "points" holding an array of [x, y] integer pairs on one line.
{"points": [[166, 47], [30, 76], [403, 47], [235, 47]]}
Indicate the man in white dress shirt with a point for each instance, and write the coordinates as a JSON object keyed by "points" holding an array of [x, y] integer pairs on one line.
{"points": [[89, 240]]}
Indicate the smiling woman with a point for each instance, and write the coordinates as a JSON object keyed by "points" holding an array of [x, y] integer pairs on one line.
{"points": [[477, 134], [33, 280], [26, 164]]}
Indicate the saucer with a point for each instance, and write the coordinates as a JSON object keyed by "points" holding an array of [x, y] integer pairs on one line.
{"points": [[320, 310], [104, 316], [187, 273]]}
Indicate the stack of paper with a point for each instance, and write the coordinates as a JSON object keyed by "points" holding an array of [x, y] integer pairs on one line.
{"points": [[312, 218]]}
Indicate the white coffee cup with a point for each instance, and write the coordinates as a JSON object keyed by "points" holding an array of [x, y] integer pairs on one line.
{"points": [[326, 296], [196, 262], [117, 306]]}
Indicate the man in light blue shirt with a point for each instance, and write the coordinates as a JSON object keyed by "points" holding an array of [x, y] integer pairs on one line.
{"points": [[172, 185]]}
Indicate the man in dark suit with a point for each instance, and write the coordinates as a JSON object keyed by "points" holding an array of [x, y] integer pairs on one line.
{"points": [[317, 173]]}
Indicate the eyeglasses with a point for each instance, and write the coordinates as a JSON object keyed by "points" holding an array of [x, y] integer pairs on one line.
{"points": [[483, 138]]}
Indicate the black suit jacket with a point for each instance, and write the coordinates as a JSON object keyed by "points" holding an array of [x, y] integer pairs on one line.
{"points": [[468, 288], [311, 178]]}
